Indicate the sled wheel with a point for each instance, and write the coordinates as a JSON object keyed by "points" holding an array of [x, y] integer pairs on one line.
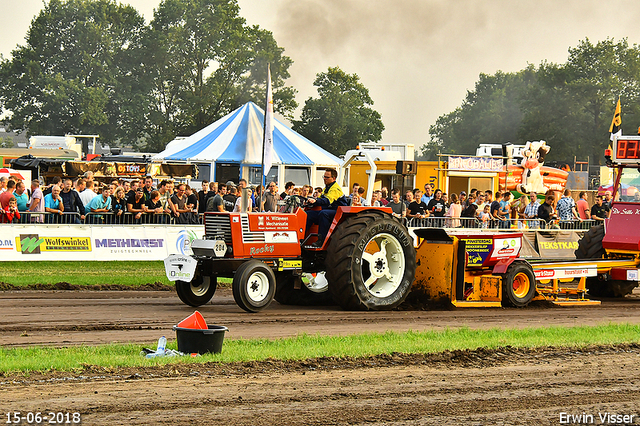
{"points": [[518, 285], [316, 293], [254, 286], [373, 262], [197, 292]]}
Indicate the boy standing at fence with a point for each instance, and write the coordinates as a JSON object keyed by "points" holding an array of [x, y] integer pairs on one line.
{"points": [[10, 213]]}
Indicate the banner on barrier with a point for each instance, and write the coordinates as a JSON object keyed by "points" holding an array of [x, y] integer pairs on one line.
{"points": [[557, 245], [96, 242]]}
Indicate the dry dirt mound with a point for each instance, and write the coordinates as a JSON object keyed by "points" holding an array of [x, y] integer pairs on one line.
{"points": [[468, 358]]}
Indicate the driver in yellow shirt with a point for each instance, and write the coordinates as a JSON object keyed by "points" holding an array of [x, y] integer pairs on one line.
{"points": [[331, 198]]}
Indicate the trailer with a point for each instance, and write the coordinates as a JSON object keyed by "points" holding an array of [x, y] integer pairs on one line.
{"points": [[485, 270]]}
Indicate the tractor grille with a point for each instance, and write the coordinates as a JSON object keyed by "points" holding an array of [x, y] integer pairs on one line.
{"points": [[247, 235], [218, 227]]}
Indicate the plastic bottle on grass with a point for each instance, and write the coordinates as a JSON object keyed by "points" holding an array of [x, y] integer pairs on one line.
{"points": [[160, 350], [162, 345]]}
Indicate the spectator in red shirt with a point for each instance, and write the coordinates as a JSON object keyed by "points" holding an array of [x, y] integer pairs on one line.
{"points": [[10, 214], [583, 206], [6, 195]]}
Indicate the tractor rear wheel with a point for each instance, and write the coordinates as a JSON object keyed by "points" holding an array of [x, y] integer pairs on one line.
{"points": [[590, 245], [197, 292], [518, 285], [254, 285], [317, 294], [373, 262]]}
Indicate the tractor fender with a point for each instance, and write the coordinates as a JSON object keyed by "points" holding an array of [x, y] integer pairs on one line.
{"points": [[502, 265], [344, 212]]}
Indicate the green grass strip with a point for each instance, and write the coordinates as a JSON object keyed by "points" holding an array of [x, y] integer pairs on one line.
{"points": [[126, 273], [84, 273], [306, 346]]}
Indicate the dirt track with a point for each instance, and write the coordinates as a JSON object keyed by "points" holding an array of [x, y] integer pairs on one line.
{"points": [[504, 387], [63, 318]]}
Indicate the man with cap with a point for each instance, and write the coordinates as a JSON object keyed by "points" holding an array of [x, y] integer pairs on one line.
{"points": [[230, 197], [464, 202]]}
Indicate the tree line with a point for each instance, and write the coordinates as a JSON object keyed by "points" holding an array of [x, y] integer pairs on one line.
{"points": [[569, 105], [95, 67]]}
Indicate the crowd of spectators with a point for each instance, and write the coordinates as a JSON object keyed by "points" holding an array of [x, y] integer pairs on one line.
{"points": [[228, 197], [138, 201], [86, 200], [486, 209], [502, 210]]}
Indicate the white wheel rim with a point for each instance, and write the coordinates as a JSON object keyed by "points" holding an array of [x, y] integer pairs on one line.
{"points": [[257, 286], [317, 282], [383, 265], [201, 290]]}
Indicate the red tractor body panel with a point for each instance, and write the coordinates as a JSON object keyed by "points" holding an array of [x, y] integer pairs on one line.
{"points": [[623, 228], [265, 234]]}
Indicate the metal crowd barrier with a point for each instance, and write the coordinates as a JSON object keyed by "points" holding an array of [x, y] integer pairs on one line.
{"points": [[109, 218], [49, 218], [499, 225]]}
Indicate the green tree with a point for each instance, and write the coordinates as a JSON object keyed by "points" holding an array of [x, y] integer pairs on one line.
{"points": [[204, 62], [572, 105], [79, 71], [568, 105], [341, 117], [6, 142]]}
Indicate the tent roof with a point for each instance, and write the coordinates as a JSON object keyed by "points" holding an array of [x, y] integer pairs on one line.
{"points": [[237, 138]]}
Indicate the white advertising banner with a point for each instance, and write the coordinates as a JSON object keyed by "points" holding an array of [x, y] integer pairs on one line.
{"points": [[96, 242], [561, 273]]}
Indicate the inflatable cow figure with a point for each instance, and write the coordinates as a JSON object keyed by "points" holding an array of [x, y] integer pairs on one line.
{"points": [[532, 162]]}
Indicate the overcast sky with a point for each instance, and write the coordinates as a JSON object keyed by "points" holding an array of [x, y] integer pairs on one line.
{"points": [[417, 57]]}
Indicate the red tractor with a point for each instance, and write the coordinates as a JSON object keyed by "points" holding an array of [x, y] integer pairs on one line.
{"points": [[367, 260], [619, 246]]}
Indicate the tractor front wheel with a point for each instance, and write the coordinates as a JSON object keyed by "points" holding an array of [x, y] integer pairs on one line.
{"points": [[254, 285], [197, 292]]}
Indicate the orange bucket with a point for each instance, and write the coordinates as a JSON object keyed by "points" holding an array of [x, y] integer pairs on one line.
{"points": [[194, 321]]}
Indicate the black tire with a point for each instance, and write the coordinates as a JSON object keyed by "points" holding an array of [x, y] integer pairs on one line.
{"points": [[254, 285], [598, 288], [518, 285], [197, 292], [355, 262], [287, 294], [611, 288], [590, 245]]}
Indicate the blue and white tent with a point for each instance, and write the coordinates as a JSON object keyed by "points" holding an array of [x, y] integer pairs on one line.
{"points": [[237, 139]]}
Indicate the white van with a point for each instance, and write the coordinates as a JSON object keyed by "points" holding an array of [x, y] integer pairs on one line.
{"points": [[495, 150]]}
